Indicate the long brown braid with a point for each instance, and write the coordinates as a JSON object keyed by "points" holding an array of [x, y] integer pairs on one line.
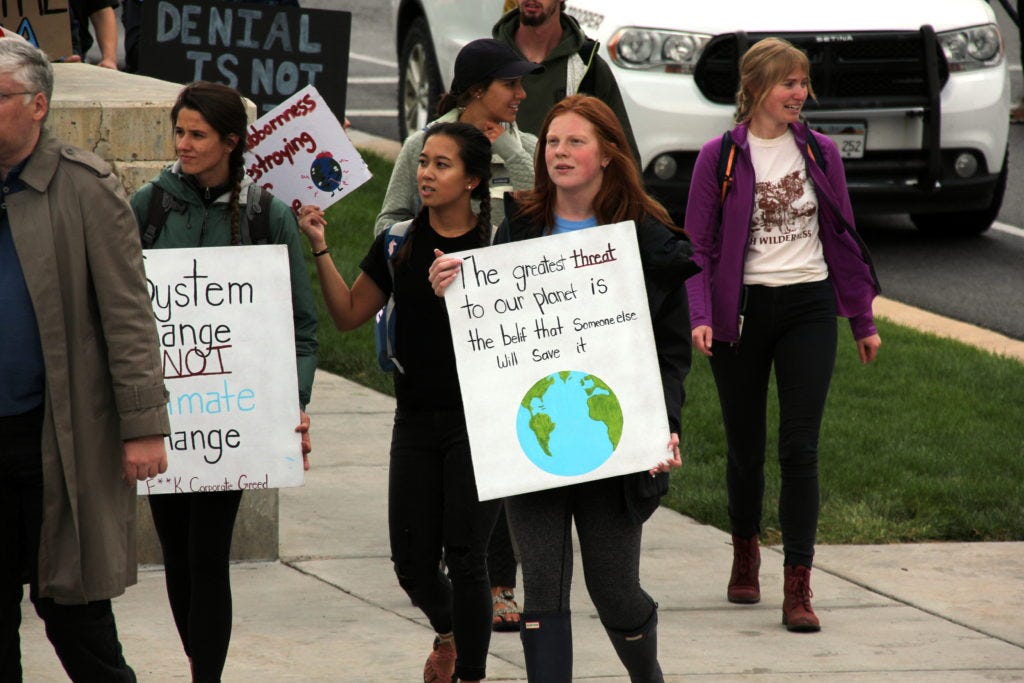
{"points": [[234, 208]]}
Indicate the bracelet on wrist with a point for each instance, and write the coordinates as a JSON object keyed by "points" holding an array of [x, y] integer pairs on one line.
{"points": [[325, 250]]}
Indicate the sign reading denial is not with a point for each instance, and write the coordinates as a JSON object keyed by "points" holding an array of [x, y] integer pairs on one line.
{"points": [[267, 53]]}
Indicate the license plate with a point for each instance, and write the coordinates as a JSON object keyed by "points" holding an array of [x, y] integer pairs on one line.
{"points": [[849, 137]]}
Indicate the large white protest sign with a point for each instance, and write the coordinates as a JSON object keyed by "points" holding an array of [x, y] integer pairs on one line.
{"points": [[300, 152], [556, 360], [224, 319]]}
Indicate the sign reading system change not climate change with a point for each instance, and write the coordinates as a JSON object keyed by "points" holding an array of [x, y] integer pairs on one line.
{"points": [[556, 360], [224, 319]]}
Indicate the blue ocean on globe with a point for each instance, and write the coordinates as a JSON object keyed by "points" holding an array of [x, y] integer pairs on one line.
{"points": [[569, 423]]}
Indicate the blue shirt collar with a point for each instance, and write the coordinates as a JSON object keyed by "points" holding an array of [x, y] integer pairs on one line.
{"points": [[13, 181]]}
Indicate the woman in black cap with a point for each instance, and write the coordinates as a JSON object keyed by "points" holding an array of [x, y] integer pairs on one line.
{"points": [[486, 92]]}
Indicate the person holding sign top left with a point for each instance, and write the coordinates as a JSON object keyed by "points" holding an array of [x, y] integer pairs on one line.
{"points": [[200, 201], [588, 178], [433, 509]]}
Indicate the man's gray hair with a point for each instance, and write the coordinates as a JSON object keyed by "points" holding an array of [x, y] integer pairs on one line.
{"points": [[28, 65]]}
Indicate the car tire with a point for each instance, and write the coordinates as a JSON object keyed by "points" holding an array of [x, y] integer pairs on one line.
{"points": [[965, 223], [419, 79]]}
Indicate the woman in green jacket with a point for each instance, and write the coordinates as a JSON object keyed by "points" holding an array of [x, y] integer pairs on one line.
{"points": [[203, 197]]}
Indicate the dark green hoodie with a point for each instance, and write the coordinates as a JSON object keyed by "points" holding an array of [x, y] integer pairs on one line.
{"points": [[543, 90]]}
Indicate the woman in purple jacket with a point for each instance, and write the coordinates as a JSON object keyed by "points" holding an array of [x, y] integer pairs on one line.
{"points": [[780, 259]]}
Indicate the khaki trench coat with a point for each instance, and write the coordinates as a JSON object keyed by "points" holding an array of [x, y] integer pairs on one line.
{"points": [[78, 244]]}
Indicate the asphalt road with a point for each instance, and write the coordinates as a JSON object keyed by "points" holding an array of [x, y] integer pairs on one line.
{"points": [[978, 280]]}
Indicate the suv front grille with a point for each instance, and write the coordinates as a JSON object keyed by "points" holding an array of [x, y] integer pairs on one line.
{"points": [[877, 69]]}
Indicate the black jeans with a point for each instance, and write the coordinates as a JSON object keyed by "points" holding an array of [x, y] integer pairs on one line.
{"points": [[434, 514], [792, 328], [195, 532], [83, 635]]}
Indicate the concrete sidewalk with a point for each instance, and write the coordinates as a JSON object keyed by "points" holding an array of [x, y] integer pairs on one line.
{"points": [[332, 610]]}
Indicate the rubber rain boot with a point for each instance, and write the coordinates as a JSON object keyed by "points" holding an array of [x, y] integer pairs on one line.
{"points": [[547, 645]]}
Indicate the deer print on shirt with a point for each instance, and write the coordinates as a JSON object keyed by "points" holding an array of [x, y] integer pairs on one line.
{"points": [[782, 205]]}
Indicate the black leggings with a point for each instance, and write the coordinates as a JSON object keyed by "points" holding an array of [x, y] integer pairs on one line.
{"points": [[792, 328], [501, 555], [433, 508], [195, 534], [609, 547]]}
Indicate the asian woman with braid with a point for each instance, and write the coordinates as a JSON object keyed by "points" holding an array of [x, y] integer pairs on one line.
{"points": [[433, 508], [206, 191], [486, 91]]}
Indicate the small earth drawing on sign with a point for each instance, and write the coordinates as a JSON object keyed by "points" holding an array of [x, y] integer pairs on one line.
{"points": [[325, 172], [569, 423]]}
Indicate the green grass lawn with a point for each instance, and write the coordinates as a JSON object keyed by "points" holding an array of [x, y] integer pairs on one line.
{"points": [[925, 444]]}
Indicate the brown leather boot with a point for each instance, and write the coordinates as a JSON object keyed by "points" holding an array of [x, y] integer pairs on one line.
{"points": [[797, 613], [744, 586]]}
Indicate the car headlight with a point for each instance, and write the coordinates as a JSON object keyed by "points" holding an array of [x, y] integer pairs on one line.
{"points": [[643, 48], [977, 47]]}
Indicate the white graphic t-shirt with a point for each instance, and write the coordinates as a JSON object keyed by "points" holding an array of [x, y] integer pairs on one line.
{"points": [[783, 248]]}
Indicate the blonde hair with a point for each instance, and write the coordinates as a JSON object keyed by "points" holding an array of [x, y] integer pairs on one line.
{"points": [[766, 64]]}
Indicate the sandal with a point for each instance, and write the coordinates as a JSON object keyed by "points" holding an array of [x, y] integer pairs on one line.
{"points": [[506, 611]]}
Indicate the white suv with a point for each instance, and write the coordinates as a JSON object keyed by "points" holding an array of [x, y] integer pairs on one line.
{"points": [[915, 92]]}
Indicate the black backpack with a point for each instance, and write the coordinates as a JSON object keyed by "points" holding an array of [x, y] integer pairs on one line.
{"points": [[254, 224]]}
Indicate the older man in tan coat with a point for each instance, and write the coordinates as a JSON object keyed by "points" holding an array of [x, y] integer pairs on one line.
{"points": [[82, 399]]}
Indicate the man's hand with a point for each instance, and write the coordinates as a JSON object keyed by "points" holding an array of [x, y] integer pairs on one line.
{"points": [[143, 458]]}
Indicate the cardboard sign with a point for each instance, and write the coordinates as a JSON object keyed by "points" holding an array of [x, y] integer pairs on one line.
{"points": [[44, 23], [557, 363], [301, 153], [265, 52], [224, 318]]}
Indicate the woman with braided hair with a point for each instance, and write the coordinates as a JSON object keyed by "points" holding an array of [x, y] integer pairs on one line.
{"points": [[206, 191], [433, 508]]}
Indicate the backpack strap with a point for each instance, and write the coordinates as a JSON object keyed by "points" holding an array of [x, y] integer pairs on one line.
{"points": [[384, 334], [155, 218], [394, 236], [255, 221], [726, 161], [160, 204], [814, 151]]}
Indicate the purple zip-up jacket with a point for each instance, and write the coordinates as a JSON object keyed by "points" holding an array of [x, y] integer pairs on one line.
{"points": [[715, 292]]}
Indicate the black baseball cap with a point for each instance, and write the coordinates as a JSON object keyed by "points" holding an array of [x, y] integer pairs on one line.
{"points": [[482, 59]]}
